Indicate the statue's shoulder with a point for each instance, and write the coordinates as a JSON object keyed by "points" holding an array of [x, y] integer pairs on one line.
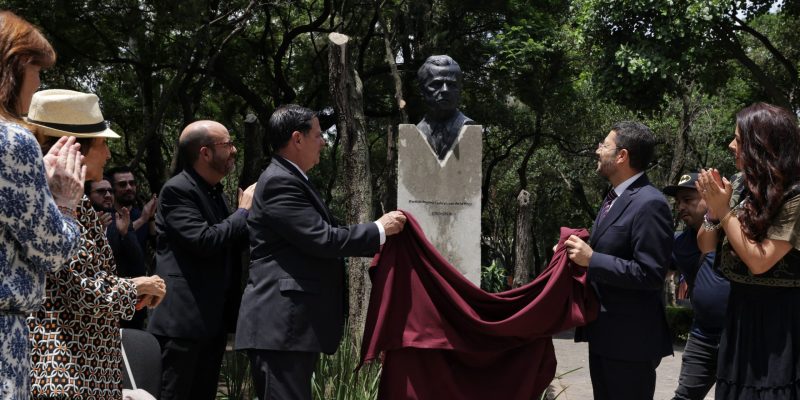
{"points": [[462, 119], [423, 125]]}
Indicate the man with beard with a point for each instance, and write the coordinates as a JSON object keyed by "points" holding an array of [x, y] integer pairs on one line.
{"points": [[708, 291], [101, 195], [128, 253], [627, 258], [198, 252], [125, 192], [440, 82]]}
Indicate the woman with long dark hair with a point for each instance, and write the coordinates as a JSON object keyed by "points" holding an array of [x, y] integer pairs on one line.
{"points": [[759, 354], [38, 232]]}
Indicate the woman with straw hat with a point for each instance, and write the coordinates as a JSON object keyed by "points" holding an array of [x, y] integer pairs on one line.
{"points": [[38, 233], [75, 335]]}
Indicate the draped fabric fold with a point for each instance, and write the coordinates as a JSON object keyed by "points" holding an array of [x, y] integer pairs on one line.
{"points": [[441, 337]]}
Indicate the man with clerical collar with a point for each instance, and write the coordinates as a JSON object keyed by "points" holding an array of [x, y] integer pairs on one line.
{"points": [[440, 82], [199, 248]]}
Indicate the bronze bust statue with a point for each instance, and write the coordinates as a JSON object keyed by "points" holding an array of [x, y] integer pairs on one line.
{"points": [[440, 82]]}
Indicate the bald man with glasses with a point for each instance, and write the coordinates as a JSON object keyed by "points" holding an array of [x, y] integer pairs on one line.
{"points": [[199, 248]]}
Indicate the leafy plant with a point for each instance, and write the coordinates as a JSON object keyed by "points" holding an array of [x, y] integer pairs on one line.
{"points": [[336, 377], [493, 278], [235, 373], [549, 393]]}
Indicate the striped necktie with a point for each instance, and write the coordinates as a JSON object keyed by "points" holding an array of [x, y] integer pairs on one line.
{"points": [[612, 194]]}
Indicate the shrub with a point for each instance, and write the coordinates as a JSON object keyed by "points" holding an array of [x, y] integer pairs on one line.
{"points": [[237, 383], [679, 320], [493, 278], [336, 377]]}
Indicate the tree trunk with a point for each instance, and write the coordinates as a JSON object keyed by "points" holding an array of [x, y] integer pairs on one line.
{"points": [[254, 158], [689, 111], [525, 244], [390, 200], [345, 88]]}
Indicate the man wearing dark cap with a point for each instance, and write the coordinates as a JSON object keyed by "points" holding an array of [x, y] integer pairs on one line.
{"points": [[708, 291]]}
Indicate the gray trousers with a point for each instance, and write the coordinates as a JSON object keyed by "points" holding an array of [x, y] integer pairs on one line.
{"points": [[698, 368]]}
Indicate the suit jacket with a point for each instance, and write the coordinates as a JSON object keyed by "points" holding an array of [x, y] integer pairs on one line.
{"points": [[295, 295], [632, 248], [198, 254]]}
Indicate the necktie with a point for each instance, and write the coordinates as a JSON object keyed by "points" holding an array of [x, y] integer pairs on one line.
{"points": [[612, 194]]}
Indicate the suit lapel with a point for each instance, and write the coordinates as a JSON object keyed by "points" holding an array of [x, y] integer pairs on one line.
{"points": [[617, 209], [316, 197]]}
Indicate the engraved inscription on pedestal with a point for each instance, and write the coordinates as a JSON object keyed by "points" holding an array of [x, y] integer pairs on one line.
{"points": [[444, 195]]}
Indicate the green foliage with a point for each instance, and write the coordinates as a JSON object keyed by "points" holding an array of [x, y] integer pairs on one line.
{"points": [[493, 278], [336, 377], [236, 377], [679, 320], [649, 49], [546, 79]]}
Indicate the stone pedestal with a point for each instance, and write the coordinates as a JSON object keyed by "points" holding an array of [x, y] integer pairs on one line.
{"points": [[444, 195]]}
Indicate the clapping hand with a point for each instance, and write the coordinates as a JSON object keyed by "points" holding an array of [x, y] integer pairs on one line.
{"points": [[123, 220], [246, 197], [716, 191], [105, 218], [64, 173], [149, 209]]}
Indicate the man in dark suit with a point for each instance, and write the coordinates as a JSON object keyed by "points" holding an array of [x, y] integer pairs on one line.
{"points": [[294, 304], [198, 254], [627, 258]]}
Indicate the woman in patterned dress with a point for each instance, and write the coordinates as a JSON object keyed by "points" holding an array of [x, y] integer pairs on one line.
{"points": [[759, 355], [38, 232], [75, 337]]}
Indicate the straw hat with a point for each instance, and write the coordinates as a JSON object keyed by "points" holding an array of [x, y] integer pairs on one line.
{"points": [[58, 112]]}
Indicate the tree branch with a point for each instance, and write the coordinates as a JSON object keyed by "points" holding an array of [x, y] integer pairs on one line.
{"points": [[287, 93], [790, 68]]}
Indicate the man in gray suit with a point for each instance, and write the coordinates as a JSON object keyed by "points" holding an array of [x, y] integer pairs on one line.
{"points": [[294, 304]]}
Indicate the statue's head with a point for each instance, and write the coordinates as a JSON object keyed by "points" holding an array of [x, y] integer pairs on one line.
{"points": [[440, 82]]}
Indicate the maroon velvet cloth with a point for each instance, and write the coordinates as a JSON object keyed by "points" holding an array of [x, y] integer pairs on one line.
{"points": [[441, 337]]}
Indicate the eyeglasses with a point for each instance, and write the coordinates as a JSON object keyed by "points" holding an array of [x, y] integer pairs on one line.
{"points": [[102, 191], [602, 145], [226, 144]]}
